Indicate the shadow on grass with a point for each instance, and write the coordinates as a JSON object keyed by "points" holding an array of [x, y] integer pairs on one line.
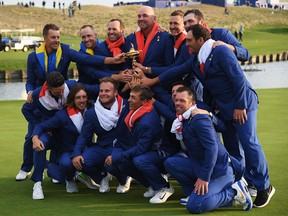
{"points": [[283, 30]]}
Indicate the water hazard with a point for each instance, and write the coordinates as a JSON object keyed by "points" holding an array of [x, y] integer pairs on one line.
{"points": [[261, 76]]}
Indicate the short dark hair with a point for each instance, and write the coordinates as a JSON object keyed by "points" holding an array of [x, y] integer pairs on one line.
{"points": [[111, 80], [88, 26], [145, 92], [73, 91], [191, 93], [199, 31], [54, 79], [49, 26], [198, 14], [120, 21], [179, 83], [177, 13]]}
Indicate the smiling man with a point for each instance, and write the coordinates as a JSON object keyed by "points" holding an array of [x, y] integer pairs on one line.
{"points": [[220, 35], [115, 40], [92, 46], [141, 156], [102, 119], [55, 56], [176, 27], [112, 46], [88, 46], [219, 71], [156, 46], [47, 100], [206, 175], [51, 56], [89, 39], [68, 123]]}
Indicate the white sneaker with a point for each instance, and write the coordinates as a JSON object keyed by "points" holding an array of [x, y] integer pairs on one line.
{"points": [[124, 188], [165, 176], [149, 193], [55, 181], [37, 191], [184, 201], [22, 175], [104, 185], [162, 195], [252, 190], [85, 179], [71, 186], [242, 195]]}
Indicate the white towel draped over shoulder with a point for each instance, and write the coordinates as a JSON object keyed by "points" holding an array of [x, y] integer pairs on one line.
{"points": [[177, 123], [49, 102], [205, 51], [107, 118]]}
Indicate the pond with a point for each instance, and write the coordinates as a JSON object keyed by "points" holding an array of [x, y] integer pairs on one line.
{"points": [[261, 76]]}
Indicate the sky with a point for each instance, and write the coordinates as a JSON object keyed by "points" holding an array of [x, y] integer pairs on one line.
{"points": [[49, 3]]}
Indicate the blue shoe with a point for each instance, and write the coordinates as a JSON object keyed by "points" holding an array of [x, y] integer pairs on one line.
{"points": [[243, 195]]}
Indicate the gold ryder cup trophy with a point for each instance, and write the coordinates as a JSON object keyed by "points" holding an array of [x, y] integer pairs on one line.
{"points": [[133, 54]]}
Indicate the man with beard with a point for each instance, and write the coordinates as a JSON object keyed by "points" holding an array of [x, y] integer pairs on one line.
{"points": [[206, 175], [102, 119], [156, 47], [47, 100], [55, 56], [219, 71], [68, 122], [112, 46], [92, 46], [51, 56], [142, 154], [220, 35]]}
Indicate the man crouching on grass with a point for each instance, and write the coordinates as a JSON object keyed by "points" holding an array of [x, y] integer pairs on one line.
{"points": [[141, 156]]}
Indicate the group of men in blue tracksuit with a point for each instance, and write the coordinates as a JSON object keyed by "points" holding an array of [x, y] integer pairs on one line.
{"points": [[153, 134]]}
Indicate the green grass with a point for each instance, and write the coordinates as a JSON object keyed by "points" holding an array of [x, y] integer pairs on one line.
{"points": [[16, 197], [12, 60], [265, 40]]}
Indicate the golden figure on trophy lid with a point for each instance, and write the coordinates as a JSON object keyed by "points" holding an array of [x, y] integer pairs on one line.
{"points": [[133, 54]]}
